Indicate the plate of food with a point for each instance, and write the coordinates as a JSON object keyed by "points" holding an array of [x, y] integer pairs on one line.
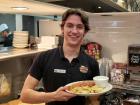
{"points": [[87, 88]]}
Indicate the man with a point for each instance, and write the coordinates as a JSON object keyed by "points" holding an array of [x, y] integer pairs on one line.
{"points": [[6, 35], [62, 65]]}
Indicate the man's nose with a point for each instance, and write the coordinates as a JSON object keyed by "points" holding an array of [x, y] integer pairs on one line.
{"points": [[74, 29]]}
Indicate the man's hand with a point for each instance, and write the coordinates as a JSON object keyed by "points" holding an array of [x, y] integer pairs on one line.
{"points": [[61, 95]]}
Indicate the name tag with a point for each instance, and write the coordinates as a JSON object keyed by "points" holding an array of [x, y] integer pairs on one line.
{"points": [[59, 71]]}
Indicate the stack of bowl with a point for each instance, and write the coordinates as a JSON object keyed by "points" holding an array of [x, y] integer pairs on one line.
{"points": [[20, 39]]}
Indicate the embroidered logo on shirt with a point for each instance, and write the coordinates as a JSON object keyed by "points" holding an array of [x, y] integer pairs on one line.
{"points": [[83, 69], [59, 71]]}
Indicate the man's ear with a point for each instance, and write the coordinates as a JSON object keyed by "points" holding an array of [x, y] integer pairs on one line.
{"points": [[62, 30], [85, 33]]}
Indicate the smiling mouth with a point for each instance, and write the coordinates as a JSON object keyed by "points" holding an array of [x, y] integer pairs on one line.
{"points": [[74, 36]]}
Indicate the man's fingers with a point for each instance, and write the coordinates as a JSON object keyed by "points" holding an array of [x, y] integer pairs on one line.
{"points": [[60, 89]]}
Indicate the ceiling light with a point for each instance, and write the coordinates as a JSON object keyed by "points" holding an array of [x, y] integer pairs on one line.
{"points": [[19, 8], [99, 7]]}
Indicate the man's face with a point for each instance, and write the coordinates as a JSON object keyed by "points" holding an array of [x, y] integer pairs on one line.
{"points": [[4, 34], [73, 30]]}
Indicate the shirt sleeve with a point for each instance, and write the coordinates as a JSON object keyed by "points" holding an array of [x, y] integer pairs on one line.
{"points": [[95, 67], [36, 69]]}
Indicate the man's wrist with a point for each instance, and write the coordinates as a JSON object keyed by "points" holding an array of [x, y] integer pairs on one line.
{"points": [[49, 97]]}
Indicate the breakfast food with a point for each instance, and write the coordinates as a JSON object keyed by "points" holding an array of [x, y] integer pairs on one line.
{"points": [[84, 87]]}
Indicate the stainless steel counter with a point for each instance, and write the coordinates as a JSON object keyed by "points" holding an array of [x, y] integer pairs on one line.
{"points": [[135, 91], [14, 52]]}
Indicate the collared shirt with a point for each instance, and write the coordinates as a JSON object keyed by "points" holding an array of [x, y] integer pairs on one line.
{"points": [[56, 71]]}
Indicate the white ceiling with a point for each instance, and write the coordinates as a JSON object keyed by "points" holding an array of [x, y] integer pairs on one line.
{"points": [[34, 7]]}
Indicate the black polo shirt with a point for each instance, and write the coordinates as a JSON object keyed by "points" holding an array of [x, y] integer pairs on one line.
{"points": [[56, 71]]}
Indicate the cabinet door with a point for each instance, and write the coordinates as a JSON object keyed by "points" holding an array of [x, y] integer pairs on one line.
{"points": [[49, 27]]}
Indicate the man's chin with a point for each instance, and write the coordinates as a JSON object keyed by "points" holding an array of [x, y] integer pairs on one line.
{"points": [[74, 44]]}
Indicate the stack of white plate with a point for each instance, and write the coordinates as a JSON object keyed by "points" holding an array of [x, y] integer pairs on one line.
{"points": [[20, 39]]}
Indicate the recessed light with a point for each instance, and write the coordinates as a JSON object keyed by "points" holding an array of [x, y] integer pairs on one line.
{"points": [[20, 8]]}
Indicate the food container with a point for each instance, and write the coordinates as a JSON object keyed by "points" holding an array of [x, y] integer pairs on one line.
{"points": [[117, 73], [94, 50]]}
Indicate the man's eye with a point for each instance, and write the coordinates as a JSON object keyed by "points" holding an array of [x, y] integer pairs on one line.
{"points": [[80, 27], [69, 25]]}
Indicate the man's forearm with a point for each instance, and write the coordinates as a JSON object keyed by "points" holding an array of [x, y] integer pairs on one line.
{"points": [[35, 97]]}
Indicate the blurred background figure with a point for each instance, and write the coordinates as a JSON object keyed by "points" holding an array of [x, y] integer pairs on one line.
{"points": [[6, 35]]}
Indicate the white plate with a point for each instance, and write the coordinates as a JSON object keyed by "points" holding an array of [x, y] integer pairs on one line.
{"points": [[105, 89]]}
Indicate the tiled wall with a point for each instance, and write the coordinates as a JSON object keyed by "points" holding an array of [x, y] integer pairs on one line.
{"points": [[115, 31]]}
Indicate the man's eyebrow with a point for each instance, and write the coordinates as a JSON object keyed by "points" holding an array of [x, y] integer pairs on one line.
{"points": [[74, 24]]}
